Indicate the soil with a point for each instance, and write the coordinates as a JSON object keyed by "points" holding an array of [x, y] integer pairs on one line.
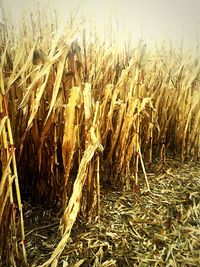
{"points": [[156, 228]]}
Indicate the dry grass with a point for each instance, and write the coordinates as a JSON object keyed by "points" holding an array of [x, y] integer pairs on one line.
{"points": [[79, 108]]}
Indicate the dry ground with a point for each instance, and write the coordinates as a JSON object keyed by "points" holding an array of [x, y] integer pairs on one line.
{"points": [[157, 228]]}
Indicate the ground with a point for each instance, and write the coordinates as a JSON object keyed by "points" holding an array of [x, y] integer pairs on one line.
{"points": [[157, 228]]}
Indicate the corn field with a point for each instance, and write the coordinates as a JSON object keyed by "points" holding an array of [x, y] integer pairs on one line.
{"points": [[77, 113]]}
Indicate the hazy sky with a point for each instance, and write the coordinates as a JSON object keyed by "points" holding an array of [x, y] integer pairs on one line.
{"points": [[155, 18]]}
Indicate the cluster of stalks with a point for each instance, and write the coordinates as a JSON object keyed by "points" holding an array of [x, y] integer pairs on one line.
{"points": [[84, 113]]}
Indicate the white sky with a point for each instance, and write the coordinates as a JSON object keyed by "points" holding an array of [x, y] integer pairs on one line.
{"points": [[155, 18]]}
